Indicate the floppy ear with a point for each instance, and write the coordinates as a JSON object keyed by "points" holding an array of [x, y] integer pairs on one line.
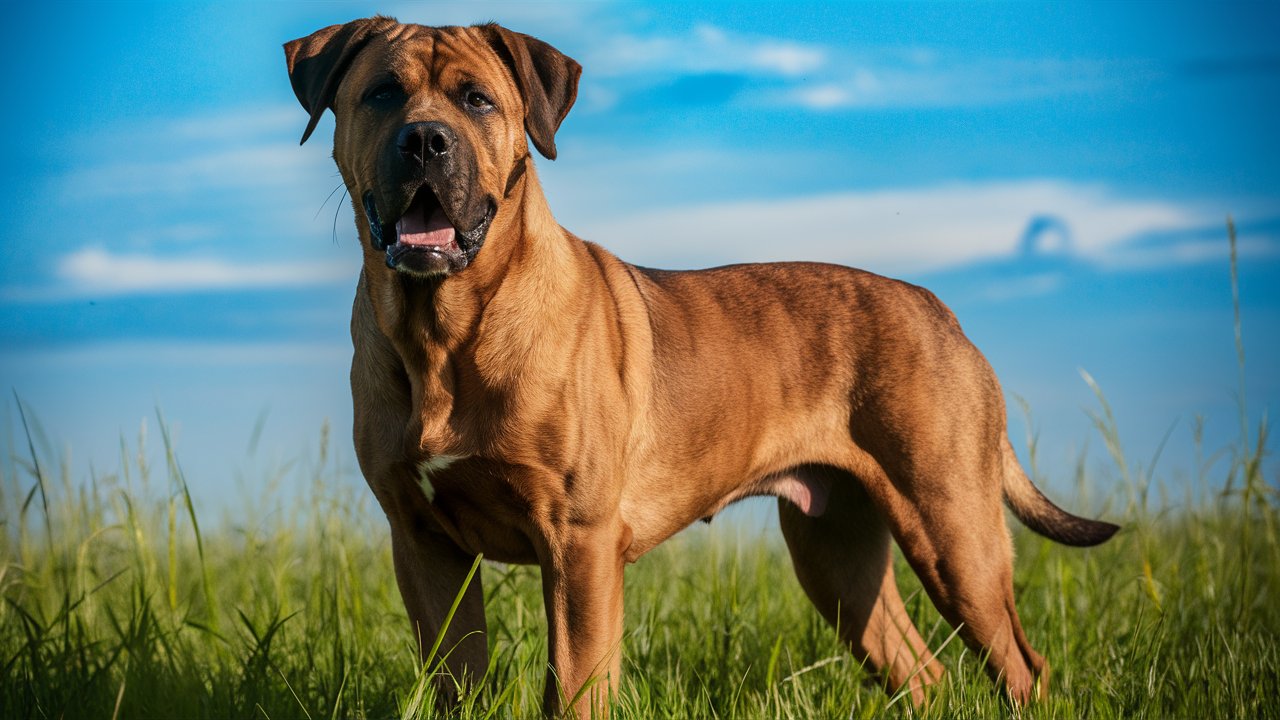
{"points": [[318, 61], [548, 80]]}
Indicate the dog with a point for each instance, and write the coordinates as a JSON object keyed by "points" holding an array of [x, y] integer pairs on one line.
{"points": [[524, 395]]}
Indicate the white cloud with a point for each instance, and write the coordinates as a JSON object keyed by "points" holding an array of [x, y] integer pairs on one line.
{"points": [[96, 271], [249, 167], [828, 77], [703, 49], [239, 125], [619, 58], [895, 231], [602, 37], [787, 58], [1017, 288], [824, 97], [913, 80], [231, 180], [189, 204], [1190, 252], [535, 18]]}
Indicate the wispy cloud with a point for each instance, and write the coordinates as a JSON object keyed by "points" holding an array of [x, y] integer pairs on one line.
{"points": [[608, 41], [910, 230], [238, 125], [260, 166], [623, 55], [917, 80], [823, 77], [1018, 288], [703, 49], [234, 181], [1191, 252], [191, 204], [543, 19], [95, 272]]}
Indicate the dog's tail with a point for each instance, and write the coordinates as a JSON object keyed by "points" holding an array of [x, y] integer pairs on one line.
{"points": [[1038, 513]]}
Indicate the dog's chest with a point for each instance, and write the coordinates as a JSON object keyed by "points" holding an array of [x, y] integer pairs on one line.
{"points": [[484, 505]]}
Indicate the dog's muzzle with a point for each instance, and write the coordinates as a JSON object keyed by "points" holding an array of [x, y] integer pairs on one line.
{"points": [[424, 241]]}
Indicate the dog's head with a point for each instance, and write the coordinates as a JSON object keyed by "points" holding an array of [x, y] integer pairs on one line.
{"points": [[431, 124]]}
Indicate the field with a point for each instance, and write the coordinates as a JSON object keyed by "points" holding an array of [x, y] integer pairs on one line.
{"points": [[117, 604]]}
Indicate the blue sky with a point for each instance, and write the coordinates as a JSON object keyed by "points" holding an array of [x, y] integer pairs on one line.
{"points": [[1058, 173]]}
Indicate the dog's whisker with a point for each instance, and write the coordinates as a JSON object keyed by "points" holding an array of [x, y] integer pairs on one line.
{"points": [[341, 186], [337, 209]]}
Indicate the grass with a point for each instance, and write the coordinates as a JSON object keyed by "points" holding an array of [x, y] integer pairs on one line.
{"points": [[118, 604], [115, 605]]}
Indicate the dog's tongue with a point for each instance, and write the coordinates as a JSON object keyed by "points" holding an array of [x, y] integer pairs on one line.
{"points": [[415, 228]]}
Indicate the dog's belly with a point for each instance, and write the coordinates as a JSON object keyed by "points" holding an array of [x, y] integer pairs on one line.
{"points": [[483, 506], [807, 487]]}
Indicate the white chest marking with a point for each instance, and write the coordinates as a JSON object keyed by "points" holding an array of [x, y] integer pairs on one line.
{"points": [[432, 465]]}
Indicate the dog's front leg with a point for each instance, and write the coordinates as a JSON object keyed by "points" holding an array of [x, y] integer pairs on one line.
{"points": [[430, 567], [430, 570], [582, 586]]}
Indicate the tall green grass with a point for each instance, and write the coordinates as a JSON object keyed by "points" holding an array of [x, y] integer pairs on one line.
{"points": [[122, 600]]}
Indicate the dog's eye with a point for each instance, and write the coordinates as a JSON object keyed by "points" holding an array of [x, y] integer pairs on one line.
{"points": [[479, 100], [384, 93]]}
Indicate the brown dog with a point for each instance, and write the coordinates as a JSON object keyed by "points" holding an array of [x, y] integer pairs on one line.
{"points": [[524, 394]]}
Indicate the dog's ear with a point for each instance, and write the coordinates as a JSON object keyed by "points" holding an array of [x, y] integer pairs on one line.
{"points": [[318, 61], [548, 80]]}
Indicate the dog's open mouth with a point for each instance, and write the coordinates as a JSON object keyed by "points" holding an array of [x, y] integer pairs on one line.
{"points": [[424, 225], [424, 240]]}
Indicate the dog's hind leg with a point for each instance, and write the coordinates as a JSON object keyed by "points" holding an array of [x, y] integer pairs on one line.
{"points": [[955, 538], [844, 562]]}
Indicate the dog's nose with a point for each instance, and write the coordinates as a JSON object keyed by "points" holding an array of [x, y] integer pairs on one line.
{"points": [[425, 141]]}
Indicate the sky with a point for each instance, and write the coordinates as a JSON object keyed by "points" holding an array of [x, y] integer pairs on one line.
{"points": [[1060, 174]]}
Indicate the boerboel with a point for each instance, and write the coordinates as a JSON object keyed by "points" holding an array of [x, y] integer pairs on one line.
{"points": [[524, 394]]}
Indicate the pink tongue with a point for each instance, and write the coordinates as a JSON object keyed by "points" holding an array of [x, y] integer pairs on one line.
{"points": [[416, 229]]}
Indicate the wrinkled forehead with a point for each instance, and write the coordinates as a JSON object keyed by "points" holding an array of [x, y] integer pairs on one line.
{"points": [[419, 57]]}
